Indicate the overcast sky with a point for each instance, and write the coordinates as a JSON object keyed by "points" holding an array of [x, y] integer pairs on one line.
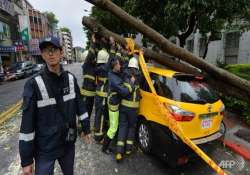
{"points": [[69, 14]]}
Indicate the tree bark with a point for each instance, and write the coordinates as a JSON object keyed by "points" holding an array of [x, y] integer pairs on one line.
{"points": [[165, 60], [168, 47]]}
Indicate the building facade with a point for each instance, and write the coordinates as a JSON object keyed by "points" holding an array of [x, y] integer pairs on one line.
{"points": [[232, 48], [8, 33], [66, 38], [39, 28], [78, 54]]}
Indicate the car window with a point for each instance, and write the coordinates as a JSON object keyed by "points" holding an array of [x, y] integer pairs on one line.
{"points": [[144, 85], [194, 91], [162, 85], [191, 90]]}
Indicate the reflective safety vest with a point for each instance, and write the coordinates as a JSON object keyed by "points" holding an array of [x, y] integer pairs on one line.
{"points": [[46, 100], [112, 107], [133, 100], [88, 88], [89, 79]]}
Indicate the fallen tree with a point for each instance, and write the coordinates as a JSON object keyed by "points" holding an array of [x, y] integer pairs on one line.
{"points": [[231, 82], [164, 59]]}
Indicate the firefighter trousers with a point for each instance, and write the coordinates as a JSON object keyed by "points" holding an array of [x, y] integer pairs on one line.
{"points": [[127, 126], [113, 123], [101, 117], [89, 102]]}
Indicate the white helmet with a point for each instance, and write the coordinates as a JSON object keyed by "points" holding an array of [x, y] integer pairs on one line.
{"points": [[133, 63], [102, 56], [85, 54]]}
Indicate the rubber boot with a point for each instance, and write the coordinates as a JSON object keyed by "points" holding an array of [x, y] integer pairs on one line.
{"points": [[118, 157], [105, 146]]}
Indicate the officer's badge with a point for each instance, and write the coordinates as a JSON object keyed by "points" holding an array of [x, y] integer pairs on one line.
{"points": [[66, 90]]}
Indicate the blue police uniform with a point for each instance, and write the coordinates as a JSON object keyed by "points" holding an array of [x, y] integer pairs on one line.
{"points": [[50, 106]]}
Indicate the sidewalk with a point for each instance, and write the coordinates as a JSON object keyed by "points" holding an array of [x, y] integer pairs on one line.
{"points": [[237, 136]]}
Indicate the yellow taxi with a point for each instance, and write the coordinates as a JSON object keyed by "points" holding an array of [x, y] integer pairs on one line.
{"points": [[190, 101]]}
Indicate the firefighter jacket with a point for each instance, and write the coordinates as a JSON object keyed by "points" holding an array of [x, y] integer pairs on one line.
{"points": [[50, 106], [116, 90], [102, 80], [88, 71], [132, 99]]}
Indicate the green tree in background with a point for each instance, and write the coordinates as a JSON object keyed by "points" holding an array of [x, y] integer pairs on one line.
{"points": [[181, 18], [52, 20], [65, 29]]}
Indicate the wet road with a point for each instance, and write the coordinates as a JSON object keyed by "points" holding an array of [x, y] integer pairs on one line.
{"points": [[10, 93]]}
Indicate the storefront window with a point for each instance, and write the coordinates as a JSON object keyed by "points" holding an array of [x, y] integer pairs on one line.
{"points": [[4, 31]]}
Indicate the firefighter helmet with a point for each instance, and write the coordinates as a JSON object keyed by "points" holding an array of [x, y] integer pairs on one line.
{"points": [[102, 56], [133, 63]]}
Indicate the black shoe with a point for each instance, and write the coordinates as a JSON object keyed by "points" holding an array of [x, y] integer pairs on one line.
{"points": [[106, 143]]}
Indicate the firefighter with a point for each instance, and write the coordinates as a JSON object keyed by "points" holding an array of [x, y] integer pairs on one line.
{"points": [[128, 111], [101, 115], [88, 70], [115, 92], [51, 101]]}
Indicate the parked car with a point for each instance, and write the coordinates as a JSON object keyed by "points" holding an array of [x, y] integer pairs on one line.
{"points": [[19, 70], [37, 68], [189, 100]]}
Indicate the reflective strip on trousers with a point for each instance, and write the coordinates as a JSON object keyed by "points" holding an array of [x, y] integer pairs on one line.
{"points": [[88, 93], [84, 116], [72, 94], [27, 137], [113, 107], [100, 133], [46, 101], [120, 143], [130, 104], [129, 142]]}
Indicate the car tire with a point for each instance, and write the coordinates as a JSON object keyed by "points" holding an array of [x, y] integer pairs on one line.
{"points": [[144, 136]]}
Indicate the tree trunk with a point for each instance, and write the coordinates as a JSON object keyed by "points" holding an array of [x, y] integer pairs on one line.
{"points": [[167, 61], [192, 21], [168, 47]]}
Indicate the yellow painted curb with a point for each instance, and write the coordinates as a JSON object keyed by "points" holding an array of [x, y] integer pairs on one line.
{"points": [[10, 112]]}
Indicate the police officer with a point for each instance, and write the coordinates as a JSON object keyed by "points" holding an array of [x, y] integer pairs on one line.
{"points": [[128, 111], [88, 70], [101, 115], [51, 101], [115, 92]]}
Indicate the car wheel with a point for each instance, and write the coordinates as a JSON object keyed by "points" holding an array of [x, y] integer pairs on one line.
{"points": [[145, 138]]}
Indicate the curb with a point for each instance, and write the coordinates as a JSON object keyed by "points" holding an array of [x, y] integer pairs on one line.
{"points": [[238, 148], [9, 112]]}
